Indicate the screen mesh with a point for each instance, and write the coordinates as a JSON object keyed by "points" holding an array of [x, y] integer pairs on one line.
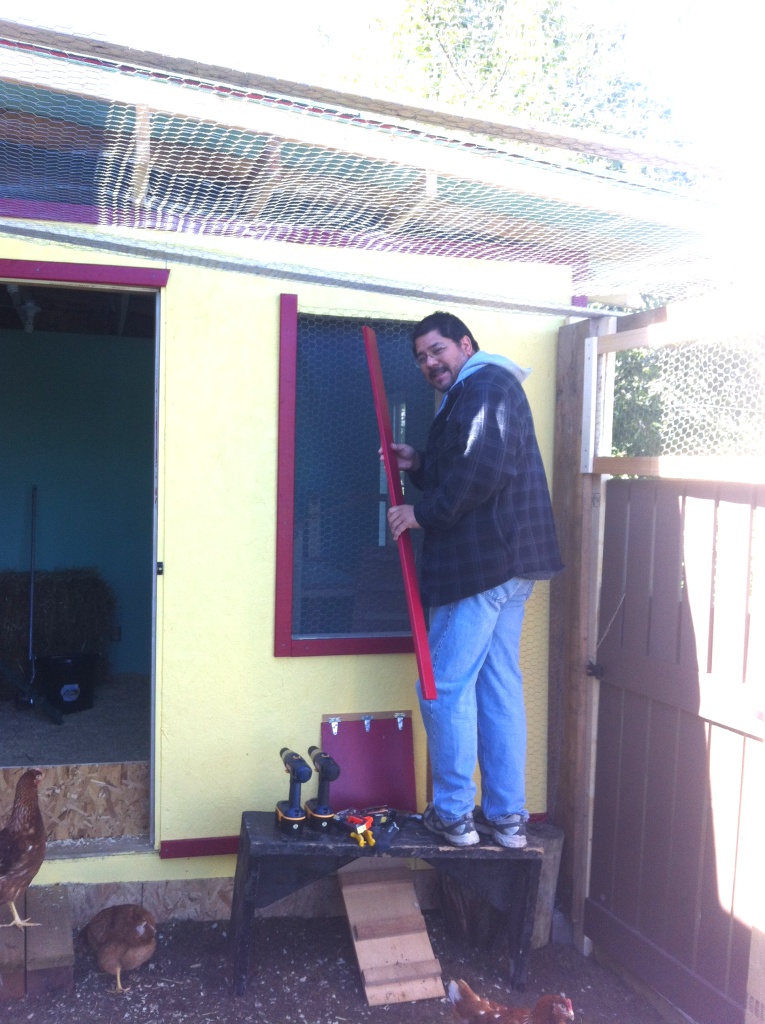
{"points": [[347, 574]]}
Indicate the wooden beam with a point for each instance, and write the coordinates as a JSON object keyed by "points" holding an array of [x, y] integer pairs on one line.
{"points": [[706, 319], [48, 133], [743, 469], [577, 503], [265, 175], [142, 153], [50, 950], [405, 925], [643, 318], [653, 336]]}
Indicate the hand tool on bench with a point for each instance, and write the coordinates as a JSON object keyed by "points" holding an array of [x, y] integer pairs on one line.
{"points": [[318, 810], [290, 816], [384, 827], [358, 826]]}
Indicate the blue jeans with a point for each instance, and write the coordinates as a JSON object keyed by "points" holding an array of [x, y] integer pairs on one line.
{"points": [[479, 712]]}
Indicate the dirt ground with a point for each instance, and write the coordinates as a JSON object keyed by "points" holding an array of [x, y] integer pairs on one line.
{"points": [[304, 972]]}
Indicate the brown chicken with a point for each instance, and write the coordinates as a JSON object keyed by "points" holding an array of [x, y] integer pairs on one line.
{"points": [[122, 937], [469, 1006], [22, 845]]}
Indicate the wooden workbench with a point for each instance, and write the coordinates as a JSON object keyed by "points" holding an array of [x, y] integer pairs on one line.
{"points": [[271, 865]]}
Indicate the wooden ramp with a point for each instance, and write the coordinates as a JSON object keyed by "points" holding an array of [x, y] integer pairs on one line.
{"points": [[38, 960], [388, 930]]}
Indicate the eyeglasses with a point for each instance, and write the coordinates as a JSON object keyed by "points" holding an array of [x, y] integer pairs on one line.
{"points": [[435, 353]]}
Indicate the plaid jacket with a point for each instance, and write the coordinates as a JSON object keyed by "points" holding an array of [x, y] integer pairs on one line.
{"points": [[486, 508]]}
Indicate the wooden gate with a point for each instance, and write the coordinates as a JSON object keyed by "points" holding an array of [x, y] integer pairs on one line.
{"points": [[677, 834]]}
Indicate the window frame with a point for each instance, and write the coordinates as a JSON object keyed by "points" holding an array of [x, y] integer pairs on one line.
{"points": [[285, 645]]}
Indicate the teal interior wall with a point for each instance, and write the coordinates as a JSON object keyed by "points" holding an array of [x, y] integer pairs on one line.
{"points": [[77, 421]]}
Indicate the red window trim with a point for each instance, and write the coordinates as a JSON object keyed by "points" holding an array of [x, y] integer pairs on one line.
{"points": [[285, 645], [214, 846], [84, 273]]}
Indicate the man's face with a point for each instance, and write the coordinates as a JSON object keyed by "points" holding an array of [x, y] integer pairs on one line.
{"points": [[441, 359]]}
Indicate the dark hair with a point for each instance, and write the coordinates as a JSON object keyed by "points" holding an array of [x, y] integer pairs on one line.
{"points": [[448, 326]]}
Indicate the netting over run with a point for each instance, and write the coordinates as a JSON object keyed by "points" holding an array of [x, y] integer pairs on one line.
{"points": [[701, 397], [100, 135]]}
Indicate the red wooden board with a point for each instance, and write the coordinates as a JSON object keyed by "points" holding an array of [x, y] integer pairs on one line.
{"points": [[406, 553], [376, 767]]}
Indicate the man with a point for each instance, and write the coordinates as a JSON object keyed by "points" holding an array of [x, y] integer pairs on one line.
{"points": [[489, 533]]}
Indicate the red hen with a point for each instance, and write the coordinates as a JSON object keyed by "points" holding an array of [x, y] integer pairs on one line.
{"points": [[22, 845], [123, 938], [469, 1006]]}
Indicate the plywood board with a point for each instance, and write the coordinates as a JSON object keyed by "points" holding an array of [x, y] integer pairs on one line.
{"points": [[50, 950], [87, 801], [392, 946], [50, 944], [376, 765], [12, 981]]}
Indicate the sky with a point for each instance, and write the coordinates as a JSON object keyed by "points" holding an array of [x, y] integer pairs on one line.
{"points": [[701, 56]]}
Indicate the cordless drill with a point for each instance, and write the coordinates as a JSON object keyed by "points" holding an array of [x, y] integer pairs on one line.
{"points": [[290, 816], [317, 809]]}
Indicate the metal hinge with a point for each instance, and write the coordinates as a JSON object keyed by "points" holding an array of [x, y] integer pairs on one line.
{"points": [[160, 568]]}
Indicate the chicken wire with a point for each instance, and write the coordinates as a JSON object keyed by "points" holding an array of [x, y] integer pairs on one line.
{"points": [[99, 135], [347, 579], [341, 539], [698, 398]]}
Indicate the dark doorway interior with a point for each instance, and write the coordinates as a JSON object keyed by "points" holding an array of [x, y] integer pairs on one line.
{"points": [[77, 422]]}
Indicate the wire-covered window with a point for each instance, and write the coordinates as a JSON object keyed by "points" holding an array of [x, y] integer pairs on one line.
{"points": [[346, 592]]}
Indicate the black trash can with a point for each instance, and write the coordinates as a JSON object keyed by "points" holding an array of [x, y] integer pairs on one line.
{"points": [[67, 682]]}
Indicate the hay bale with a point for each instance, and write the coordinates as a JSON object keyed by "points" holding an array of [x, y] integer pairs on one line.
{"points": [[73, 614]]}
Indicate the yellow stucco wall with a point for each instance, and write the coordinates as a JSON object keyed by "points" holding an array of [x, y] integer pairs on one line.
{"points": [[224, 704]]}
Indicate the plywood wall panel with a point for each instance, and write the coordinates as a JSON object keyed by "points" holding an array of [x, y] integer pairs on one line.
{"points": [[89, 801]]}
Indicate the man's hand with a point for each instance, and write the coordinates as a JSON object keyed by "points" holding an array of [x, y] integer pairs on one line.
{"points": [[401, 517], [406, 456]]}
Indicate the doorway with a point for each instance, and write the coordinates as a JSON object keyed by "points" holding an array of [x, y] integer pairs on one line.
{"points": [[78, 400]]}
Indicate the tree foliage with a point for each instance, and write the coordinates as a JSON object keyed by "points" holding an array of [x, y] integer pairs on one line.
{"points": [[696, 398], [638, 404], [536, 58]]}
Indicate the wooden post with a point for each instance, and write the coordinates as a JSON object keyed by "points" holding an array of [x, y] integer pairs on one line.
{"points": [[12, 981], [573, 596], [578, 507], [50, 948]]}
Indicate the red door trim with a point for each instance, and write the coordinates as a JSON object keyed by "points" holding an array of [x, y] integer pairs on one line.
{"points": [[84, 273]]}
